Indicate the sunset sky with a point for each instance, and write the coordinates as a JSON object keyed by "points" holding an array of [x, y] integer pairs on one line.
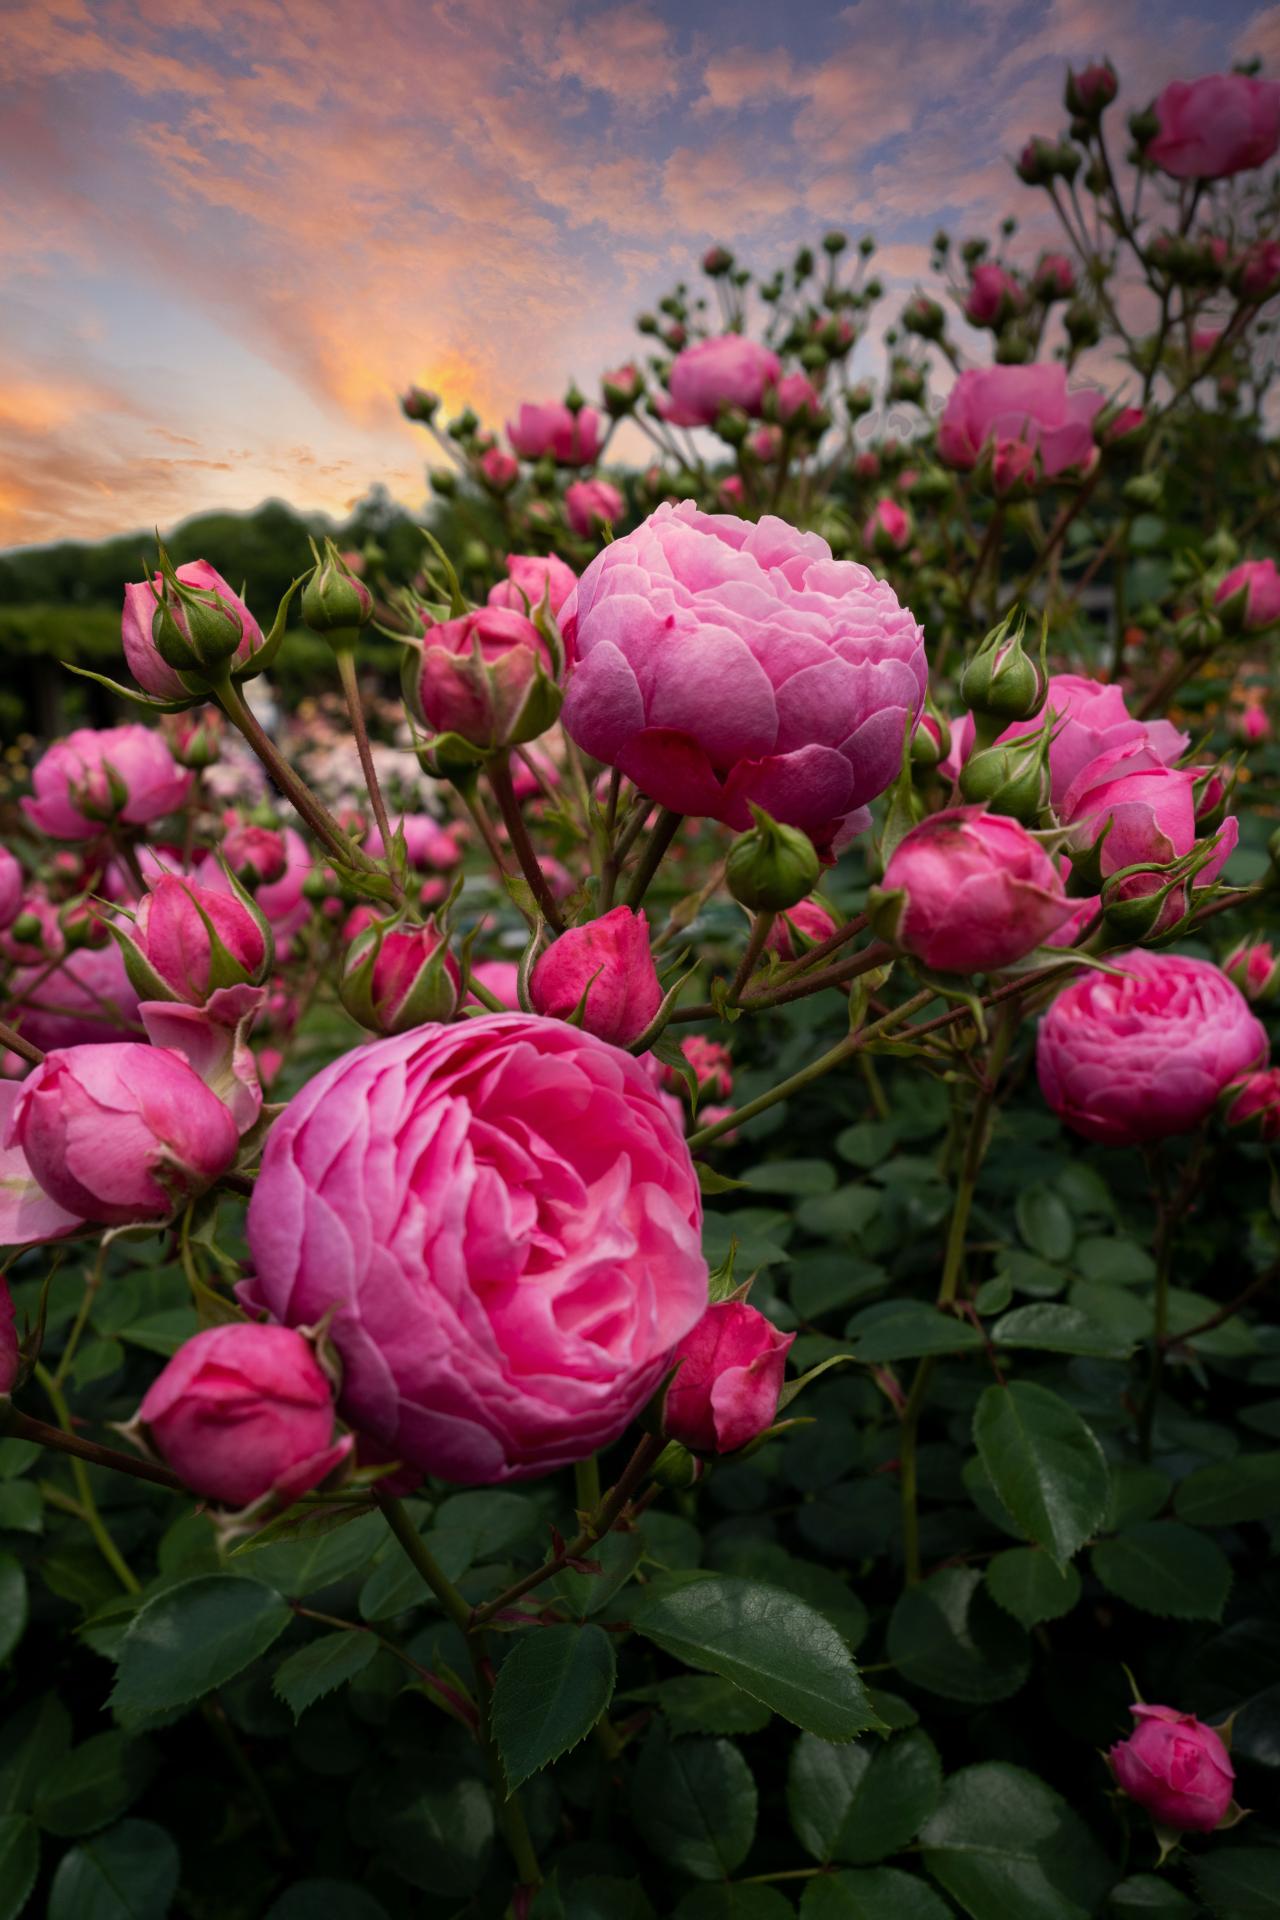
{"points": [[230, 233]]}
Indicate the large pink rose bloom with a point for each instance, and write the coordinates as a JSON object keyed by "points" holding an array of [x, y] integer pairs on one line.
{"points": [[572, 440], [98, 777], [87, 997], [508, 1225], [1144, 1053], [1222, 124], [1022, 411], [1148, 812], [720, 662], [1090, 719], [729, 371]]}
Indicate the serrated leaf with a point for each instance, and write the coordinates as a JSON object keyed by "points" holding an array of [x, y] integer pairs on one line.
{"points": [[861, 1802], [93, 1785], [310, 1550], [876, 1893], [704, 1703], [1031, 1587], [1226, 1495], [909, 1332], [694, 1802], [19, 1862], [322, 1665], [1003, 1843], [550, 1691], [1167, 1569], [195, 1637], [1044, 1222], [947, 1636], [1045, 1464], [1049, 1327], [128, 1873]]}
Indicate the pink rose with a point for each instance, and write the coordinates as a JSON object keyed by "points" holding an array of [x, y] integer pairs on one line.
{"points": [[978, 891], [486, 676], [508, 1224], [1255, 970], [1251, 725], [282, 900], [1090, 719], [1024, 412], [529, 577], [712, 1066], [88, 997], [1210, 128], [721, 662], [1175, 1767], [429, 847], [28, 1215], [993, 297], [622, 387], [121, 1132], [888, 529], [765, 443], [572, 440], [153, 673], [193, 940], [1251, 594], [713, 375], [797, 402], [1142, 1054], [499, 977], [254, 854], [1054, 277], [809, 918], [13, 883], [1255, 1103], [242, 1411], [401, 979], [590, 505], [1260, 271], [730, 1373], [499, 469], [102, 777], [1091, 88], [609, 961], [867, 465], [732, 492], [1148, 812]]}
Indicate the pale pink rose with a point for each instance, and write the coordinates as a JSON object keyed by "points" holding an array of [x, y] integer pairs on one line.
{"points": [[1176, 1768], [100, 777], [609, 961], [1143, 1053], [1253, 588], [730, 1373], [993, 296], [508, 1226], [1221, 124], [121, 1132], [242, 1411], [1090, 719], [572, 440], [28, 1217], [590, 505], [714, 375], [12, 886], [529, 577], [152, 672], [175, 931], [1254, 1102], [979, 891], [813, 921], [721, 662], [888, 529], [1020, 411], [87, 998]]}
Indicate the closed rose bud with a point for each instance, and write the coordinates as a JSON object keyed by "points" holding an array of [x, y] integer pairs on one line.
{"points": [[771, 866], [242, 1411], [1253, 1105], [1176, 1768], [499, 469], [1255, 970], [729, 1375], [102, 777], [488, 677], [179, 619], [1002, 684], [970, 892], [888, 530], [1091, 89], [591, 505], [418, 403], [1248, 600], [256, 855], [994, 296], [530, 577], [712, 1067], [335, 602], [194, 737], [13, 883], [121, 1132], [569, 439], [622, 388], [397, 977], [187, 941], [807, 924], [608, 961]]}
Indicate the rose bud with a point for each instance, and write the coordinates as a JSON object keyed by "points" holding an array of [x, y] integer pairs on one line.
{"points": [[1091, 89], [570, 439], [1054, 277], [335, 603], [1255, 969], [28, 1215], [771, 867], [592, 504], [1248, 600], [254, 854], [969, 892], [13, 883], [180, 618], [712, 1067], [888, 530], [530, 578], [418, 403], [121, 1132], [499, 469], [194, 736], [1001, 684], [242, 1411], [500, 978], [1175, 1767], [1252, 725], [729, 1375], [487, 677], [607, 968], [621, 388], [187, 941], [994, 296], [397, 977], [1254, 1103], [103, 777], [798, 928]]}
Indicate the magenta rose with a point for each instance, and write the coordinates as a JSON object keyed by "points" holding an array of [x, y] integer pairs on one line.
{"points": [[1255, 970], [485, 676], [721, 662], [993, 297], [888, 528], [1175, 1767], [242, 1411], [401, 979], [1259, 274], [499, 469], [571, 439], [508, 1225], [529, 577], [1089, 720], [797, 403], [712, 1066], [714, 375], [978, 892], [148, 667], [429, 847], [193, 940], [1250, 595], [10, 1353], [121, 1132], [28, 1215], [1026, 419], [609, 962], [1148, 814], [1255, 1103], [88, 997], [103, 777], [1142, 1054], [1210, 128], [729, 1375], [590, 505], [1054, 277], [500, 978], [254, 854], [810, 919], [283, 899]]}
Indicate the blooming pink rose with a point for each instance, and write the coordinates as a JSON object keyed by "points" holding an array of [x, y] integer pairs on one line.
{"points": [[87, 998], [400, 981], [499, 977], [609, 961], [765, 443], [508, 1225], [1255, 1103], [481, 677], [1027, 409], [979, 891], [1255, 970], [12, 886], [809, 918], [148, 667], [712, 1066], [529, 577], [888, 528], [993, 296], [121, 1132], [1144, 1053], [178, 930], [1149, 813], [1175, 1767], [591, 504], [572, 440], [1090, 719], [729, 1375], [242, 1411], [1257, 583], [253, 853], [100, 777], [28, 1216], [713, 375], [721, 662], [1210, 128], [499, 469]]}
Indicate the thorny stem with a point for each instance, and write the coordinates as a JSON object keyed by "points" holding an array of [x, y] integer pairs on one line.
{"points": [[355, 708], [499, 771], [21, 1426], [311, 809], [761, 928]]}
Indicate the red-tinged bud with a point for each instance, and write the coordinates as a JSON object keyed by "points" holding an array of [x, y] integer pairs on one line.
{"points": [[398, 976]]}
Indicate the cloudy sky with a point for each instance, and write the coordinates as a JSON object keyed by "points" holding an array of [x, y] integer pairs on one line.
{"points": [[230, 233]]}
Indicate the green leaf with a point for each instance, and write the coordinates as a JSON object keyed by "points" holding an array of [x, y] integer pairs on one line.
{"points": [[431, 1822], [826, 1282], [1148, 1897], [1239, 1883], [34, 1741], [128, 1873], [773, 1646], [1111, 1262], [1003, 1843], [192, 1638], [326, 1900], [1031, 1587], [94, 1784], [947, 1636], [320, 1666], [880, 1893], [617, 1555], [1166, 1569], [795, 1178], [909, 1332], [1246, 1488], [21, 1508], [602, 1896], [1044, 1222], [551, 1689], [1044, 1463], [13, 1604], [1137, 1493], [859, 1803], [324, 1548], [729, 1903], [694, 1802], [704, 1703], [1052, 1328], [19, 1863]]}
